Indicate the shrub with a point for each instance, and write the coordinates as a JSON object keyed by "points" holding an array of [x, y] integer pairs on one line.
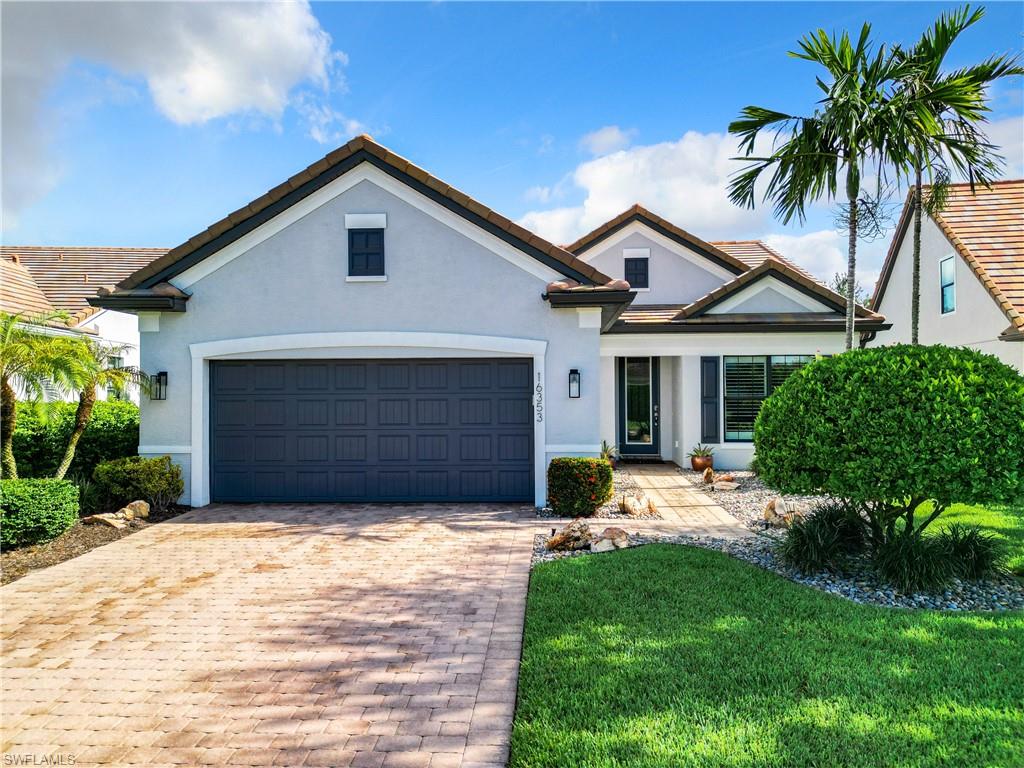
{"points": [[39, 443], [825, 539], [974, 553], [36, 510], [578, 486], [157, 480], [891, 427], [912, 563]]}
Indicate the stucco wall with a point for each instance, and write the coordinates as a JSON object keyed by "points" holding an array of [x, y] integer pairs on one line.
{"points": [[438, 280], [673, 278], [977, 321]]}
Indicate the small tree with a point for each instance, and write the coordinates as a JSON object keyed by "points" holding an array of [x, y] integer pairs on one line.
{"points": [[890, 428]]}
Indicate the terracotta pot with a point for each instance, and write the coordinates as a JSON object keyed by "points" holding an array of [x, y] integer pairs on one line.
{"points": [[700, 463]]}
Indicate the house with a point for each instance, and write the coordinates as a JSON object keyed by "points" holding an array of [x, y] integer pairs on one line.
{"points": [[36, 280], [972, 273], [366, 332]]}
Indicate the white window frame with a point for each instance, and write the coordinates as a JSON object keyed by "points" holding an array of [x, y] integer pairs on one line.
{"points": [[637, 253], [942, 310]]}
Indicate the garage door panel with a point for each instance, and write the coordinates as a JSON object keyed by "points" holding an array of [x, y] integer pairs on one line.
{"points": [[418, 430]]}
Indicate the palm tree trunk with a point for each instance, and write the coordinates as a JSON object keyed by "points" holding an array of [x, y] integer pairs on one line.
{"points": [[851, 270], [8, 419], [86, 401], [915, 295]]}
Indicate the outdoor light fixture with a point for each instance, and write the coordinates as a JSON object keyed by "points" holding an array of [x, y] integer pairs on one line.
{"points": [[158, 386], [574, 383]]}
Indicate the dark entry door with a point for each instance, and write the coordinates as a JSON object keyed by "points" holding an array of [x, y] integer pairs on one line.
{"points": [[639, 406], [371, 430]]}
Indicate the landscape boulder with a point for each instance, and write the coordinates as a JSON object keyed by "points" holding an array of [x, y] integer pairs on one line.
{"points": [[780, 513], [610, 538], [576, 535], [634, 506], [107, 518]]}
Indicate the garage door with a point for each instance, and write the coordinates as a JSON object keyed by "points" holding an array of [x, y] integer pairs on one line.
{"points": [[371, 430]]}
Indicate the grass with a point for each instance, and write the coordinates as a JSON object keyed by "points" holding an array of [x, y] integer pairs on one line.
{"points": [[1005, 522], [669, 656]]}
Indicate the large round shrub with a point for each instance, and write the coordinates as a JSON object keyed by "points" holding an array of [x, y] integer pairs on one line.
{"points": [[891, 427], [155, 480], [36, 510], [577, 486]]}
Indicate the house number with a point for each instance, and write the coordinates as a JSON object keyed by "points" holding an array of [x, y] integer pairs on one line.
{"points": [[539, 389]]}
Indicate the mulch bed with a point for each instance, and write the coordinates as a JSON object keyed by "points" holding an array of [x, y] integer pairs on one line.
{"points": [[77, 540]]}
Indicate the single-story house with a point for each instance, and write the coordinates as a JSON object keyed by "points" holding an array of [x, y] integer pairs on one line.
{"points": [[972, 273], [366, 332], [39, 280]]}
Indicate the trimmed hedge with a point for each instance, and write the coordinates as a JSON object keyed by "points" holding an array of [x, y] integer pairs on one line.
{"points": [[39, 444], [36, 510], [157, 480], [578, 486]]}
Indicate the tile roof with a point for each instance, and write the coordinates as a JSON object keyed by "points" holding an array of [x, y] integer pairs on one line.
{"points": [[754, 252], [303, 183], [19, 292], [986, 227], [69, 275]]}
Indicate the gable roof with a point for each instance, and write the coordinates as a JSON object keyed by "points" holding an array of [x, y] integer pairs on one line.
{"points": [[664, 227], [19, 292], [754, 252], [68, 276], [358, 150], [986, 227]]}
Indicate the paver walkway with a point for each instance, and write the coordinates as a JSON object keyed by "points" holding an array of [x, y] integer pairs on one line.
{"points": [[320, 635]]}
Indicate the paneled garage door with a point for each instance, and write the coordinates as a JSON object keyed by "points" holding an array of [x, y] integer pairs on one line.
{"points": [[371, 430]]}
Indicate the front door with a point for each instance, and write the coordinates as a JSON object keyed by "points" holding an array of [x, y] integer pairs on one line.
{"points": [[639, 419]]}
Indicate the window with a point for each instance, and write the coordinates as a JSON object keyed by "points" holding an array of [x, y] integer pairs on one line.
{"points": [[365, 252], [115, 392], [748, 381], [947, 285], [636, 272]]}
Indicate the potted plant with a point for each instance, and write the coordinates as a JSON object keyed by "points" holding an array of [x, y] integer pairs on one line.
{"points": [[609, 453], [702, 457]]}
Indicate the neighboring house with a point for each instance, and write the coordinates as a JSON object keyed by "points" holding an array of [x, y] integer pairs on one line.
{"points": [[972, 273], [42, 279], [365, 332]]}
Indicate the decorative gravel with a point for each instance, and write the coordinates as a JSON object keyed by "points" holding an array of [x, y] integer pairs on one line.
{"points": [[623, 484], [747, 502], [858, 585]]}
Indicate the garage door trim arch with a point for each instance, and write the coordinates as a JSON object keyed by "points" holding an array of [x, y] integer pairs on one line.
{"points": [[368, 344]]}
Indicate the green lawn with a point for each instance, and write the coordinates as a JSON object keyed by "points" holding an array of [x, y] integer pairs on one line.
{"points": [[1007, 522], [673, 656]]}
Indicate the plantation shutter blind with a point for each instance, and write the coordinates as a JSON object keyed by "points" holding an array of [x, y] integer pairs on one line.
{"points": [[746, 385], [709, 400]]}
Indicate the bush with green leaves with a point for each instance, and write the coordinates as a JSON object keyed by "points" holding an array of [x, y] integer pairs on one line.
{"points": [[157, 480], [888, 428], [42, 432], [914, 563], [33, 511], [825, 539], [578, 486]]}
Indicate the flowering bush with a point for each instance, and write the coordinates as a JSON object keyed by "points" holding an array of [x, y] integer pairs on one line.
{"points": [[577, 487]]}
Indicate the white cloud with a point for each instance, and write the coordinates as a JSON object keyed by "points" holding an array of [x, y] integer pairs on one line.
{"points": [[1008, 135], [823, 254], [200, 61], [606, 140], [685, 181], [326, 124]]}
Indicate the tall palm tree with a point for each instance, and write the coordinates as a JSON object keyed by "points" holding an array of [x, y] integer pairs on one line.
{"points": [[33, 360], [98, 373], [941, 127], [845, 134]]}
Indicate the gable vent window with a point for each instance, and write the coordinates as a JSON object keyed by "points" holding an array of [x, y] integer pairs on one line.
{"points": [[636, 272], [947, 284], [748, 381], [365, 252]]}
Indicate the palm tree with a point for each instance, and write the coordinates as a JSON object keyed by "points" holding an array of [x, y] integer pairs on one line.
{"points": [[98, 373], [34, 360], [941, 127], [810, 153]]}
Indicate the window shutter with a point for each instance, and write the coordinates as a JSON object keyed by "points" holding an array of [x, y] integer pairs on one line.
{"points": [[709, 396]]}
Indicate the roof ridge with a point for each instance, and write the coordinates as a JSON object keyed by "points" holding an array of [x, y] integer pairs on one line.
{"points": [[15, 248]]}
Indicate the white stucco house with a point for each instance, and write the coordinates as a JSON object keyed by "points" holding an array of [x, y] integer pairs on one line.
{"points": [[972, 274], [366, 332], [37, 280]]}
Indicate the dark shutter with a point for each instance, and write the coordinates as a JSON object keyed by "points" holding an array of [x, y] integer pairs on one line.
{"points": [[709, 390]]}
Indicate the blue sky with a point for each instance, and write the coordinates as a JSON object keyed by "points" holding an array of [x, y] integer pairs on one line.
{"points": [[559, 115]]}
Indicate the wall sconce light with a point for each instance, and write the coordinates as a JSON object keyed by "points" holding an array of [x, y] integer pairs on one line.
{"points": [[158, 386], [574, 383]]}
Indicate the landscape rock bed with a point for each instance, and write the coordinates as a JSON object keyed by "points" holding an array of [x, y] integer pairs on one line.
{"points": [[623, 484], [747, 502], [858, 585]]}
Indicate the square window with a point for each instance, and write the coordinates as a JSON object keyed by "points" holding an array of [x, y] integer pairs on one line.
{"points": [[365, 252], [947, 285], [636, 273]]}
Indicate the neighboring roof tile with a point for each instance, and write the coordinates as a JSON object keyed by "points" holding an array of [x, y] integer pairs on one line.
{"points": [[986, 227], [162, 268], [754, 252], [19, 292], [69, 275]]}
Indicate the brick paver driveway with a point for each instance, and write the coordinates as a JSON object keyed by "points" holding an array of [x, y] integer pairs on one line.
{"points": [[285, 635]]}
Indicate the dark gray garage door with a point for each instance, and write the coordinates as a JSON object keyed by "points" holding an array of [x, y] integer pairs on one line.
{"points": [[372, 430]]}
